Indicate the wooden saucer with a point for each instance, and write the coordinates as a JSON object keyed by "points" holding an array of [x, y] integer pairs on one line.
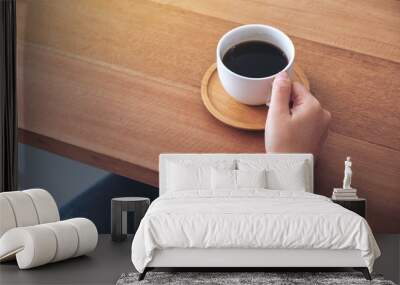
{"points": [[235, 114]]}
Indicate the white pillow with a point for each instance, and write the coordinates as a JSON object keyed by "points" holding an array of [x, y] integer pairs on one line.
{"points": [[223, 179], [292, 179], [251, 178], [236, 179], [184, 175], [281, 174]]}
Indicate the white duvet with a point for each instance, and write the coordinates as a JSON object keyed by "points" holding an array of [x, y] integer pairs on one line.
{"points": [[252, 218]]}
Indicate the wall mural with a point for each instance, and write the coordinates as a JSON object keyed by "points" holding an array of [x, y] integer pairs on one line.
{"points": [[115, 83]]}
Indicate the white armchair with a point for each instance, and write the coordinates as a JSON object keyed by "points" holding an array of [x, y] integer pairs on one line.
{"points": [[31, 230]]}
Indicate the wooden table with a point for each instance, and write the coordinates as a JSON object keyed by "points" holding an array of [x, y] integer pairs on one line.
{"points": [[116, 83]]}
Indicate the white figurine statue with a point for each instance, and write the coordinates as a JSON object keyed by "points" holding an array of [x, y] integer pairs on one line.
{"points": [[347, 174]]}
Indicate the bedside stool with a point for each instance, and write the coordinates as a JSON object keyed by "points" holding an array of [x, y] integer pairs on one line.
{"points": [[119, 208], [358, 205]]}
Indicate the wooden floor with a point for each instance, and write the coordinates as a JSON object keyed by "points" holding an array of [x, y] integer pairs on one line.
{"points": [[116, 83]]}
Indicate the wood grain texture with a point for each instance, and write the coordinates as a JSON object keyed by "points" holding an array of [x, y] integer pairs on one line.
{"points": [[169, 43], [115, 83], [227, 110], [370, 27], [90, 157]]}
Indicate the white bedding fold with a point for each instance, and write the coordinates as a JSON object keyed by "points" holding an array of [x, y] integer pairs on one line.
{"points": [[250, 219]]}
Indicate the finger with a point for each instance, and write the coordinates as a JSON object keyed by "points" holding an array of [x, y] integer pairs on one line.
{"points": [[324, 137], [325, 134], [299, 94], [326, 121], [327, 117], [280, 97]]}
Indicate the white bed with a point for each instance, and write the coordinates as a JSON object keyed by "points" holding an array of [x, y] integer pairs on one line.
{"points": [[248, 226]]}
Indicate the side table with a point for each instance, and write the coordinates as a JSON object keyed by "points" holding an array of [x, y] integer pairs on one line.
{"points": [[358, 205], [119, 208]]}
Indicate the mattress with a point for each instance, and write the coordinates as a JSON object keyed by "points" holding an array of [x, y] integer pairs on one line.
{"points": [[250, 219]]}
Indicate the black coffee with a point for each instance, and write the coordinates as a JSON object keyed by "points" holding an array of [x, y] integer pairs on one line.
{"points": [[255, 59]]}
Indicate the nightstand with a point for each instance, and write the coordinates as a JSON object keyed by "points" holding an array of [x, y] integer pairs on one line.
{"points": [[119, 208], [358, 206]]}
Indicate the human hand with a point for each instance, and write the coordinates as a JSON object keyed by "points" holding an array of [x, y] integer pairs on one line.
{"points": [[301, 128]]}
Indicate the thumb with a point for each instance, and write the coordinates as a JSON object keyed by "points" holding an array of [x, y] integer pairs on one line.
{"points": [[280, 96]]}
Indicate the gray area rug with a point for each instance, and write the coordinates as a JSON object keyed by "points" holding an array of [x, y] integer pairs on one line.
{"points": [[269, 278]]}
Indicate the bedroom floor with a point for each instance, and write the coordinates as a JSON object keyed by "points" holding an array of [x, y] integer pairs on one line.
{"points": [[110, 260], [103, 266]]}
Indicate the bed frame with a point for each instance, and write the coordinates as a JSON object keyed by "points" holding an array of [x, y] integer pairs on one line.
{"points": [[242, 259]]}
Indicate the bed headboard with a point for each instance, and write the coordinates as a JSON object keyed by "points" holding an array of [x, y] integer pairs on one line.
{"points": [[193, 157]]}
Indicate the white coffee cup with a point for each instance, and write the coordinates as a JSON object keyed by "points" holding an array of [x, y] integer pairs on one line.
{"points": [[247, 90]]}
